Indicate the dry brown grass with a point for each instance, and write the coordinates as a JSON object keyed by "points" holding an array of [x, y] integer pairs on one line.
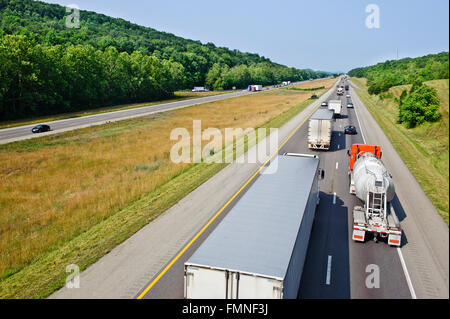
{"points": [[57, 187]]}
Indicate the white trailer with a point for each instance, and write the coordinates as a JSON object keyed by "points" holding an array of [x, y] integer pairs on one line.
{"points": [[336, 107], [256, 88], [199, 89], [259, 249], [320, 129]]}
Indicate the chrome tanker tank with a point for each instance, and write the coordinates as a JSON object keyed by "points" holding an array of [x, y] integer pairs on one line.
{"points": [[370, 175]]}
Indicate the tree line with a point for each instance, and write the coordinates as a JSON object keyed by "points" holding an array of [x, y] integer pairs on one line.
{"points": [[37, 79], [421, 103], [382, 76], [47, 68]]}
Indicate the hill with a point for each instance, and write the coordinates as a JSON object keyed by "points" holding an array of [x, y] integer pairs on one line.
{"points": [[382, 76], [47, 68], [424, 148]]}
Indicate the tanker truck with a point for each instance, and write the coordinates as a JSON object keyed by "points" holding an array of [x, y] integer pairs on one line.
{"points": [[373, 185]]}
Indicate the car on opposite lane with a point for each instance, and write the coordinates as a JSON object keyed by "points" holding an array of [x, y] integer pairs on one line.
{"points": [[350, 129], [324, 104], [40, 128]]}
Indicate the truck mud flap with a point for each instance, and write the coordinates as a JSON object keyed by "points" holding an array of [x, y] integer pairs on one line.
{"points": [[394, 240], [359, 235]]}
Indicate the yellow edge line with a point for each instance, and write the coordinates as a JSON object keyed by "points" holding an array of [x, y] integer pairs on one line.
{"points": [[221, 210]]}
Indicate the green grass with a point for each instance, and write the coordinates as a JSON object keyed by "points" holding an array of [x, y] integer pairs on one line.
{"points": [[424, 149], [46, 275]]}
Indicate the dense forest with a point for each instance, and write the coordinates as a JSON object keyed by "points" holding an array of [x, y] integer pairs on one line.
{"points": [[391, 73], [47, 68], [421, 103]]}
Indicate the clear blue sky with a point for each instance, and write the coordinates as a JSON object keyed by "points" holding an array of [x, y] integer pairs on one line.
{"points": [[328, 35]]}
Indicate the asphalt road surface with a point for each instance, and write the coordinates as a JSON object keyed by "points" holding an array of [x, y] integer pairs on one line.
{"points": [[150, 263], [331, 234], [24, 132]]}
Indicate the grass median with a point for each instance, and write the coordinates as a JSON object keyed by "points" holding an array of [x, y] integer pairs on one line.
{"points": [[424, 149], [72, 197]]}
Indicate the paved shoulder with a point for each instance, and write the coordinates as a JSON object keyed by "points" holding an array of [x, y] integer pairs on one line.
{"points": [[426, 242]]}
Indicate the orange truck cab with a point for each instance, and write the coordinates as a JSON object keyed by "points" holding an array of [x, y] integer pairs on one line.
{"points": [[359, 149]]}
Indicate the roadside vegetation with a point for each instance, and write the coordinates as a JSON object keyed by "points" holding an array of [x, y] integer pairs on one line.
{"points": [[72, 197], [422, 144], [382, 76], [306, 89], [47, 68], [178, 96]]}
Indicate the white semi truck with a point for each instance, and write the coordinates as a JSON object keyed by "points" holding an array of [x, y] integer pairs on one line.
{"points": [[320, 129], [336, 107], [373, 185], [259, 249], [255, 88]]}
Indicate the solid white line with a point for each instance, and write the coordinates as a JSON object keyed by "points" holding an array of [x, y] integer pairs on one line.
{"points": [[337, 165], [405, 270], [334, 198], [328, 280], [402, 261]]}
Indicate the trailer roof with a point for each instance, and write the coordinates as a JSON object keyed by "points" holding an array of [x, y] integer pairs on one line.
{"points": [[322, 114], [259, 233]]}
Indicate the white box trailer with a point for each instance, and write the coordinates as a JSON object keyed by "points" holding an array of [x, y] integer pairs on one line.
{"points": [[256, 88], [320, 129], [259, 249], [336, 107]]}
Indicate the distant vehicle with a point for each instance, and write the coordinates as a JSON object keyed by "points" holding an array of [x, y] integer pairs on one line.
{"points": [[340, 91], [346, 87], [350, 130], [199, 89], [255, 88], [336, 106], [348, 96], [349, 104], [319, 131], [324, 104], [41, 128], [314, 96]]}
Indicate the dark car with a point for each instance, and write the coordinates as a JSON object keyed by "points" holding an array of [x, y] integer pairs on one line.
{"points": [[324, 104], [41, 128], [350, 130]]}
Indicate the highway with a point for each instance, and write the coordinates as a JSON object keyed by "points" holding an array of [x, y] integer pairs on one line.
{"points": [[18, 133], [150, 263], [331, 235]]}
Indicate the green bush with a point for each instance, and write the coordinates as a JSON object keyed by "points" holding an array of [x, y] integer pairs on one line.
{"points": [[419, 106]]}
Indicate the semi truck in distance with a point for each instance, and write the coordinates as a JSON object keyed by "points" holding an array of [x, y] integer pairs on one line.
{"points": [[373, 185], [255, 88], [336, 107], [199, 89], [319, 130], [259, 249]]}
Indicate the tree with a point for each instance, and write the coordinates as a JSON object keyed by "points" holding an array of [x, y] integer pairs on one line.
{"points": [[419, 106]]}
